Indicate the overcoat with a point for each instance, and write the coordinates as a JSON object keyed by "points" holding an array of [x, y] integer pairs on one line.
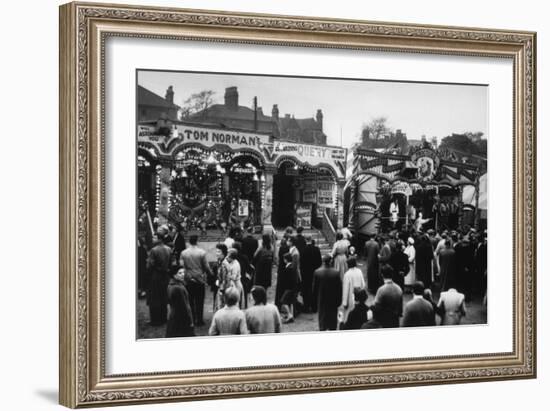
{"points": [[180, 318], [327, 296]]}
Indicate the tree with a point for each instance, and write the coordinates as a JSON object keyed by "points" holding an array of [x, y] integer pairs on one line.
{"points": [[198, 103], [376, 129], [376, 134], [466, 143], [482, 147]]}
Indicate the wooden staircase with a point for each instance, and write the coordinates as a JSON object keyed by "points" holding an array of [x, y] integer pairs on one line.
{"points": [[317, 235]]}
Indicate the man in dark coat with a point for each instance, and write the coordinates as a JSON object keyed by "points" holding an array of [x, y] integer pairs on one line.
{"points": [[385, 252], [158, 265], [283, 249], [418, 312], [388, 301], [290, 283], [399, 261], [142, 268], [372, 248], [179, 241], [197, 270], [249, 244], [327, 294], [481, 266], [180, 317], [465, 254], [299, 240], [310, 260], [447, 267], [424, 257], [358, 316]]}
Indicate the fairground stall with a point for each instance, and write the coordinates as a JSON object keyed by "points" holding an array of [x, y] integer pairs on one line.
{"points": [[427, 187], [211, 177]]}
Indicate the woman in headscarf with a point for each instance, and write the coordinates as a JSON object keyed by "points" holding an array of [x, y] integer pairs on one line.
{"points": [[218, 271], [340, 254], [230, 275]]}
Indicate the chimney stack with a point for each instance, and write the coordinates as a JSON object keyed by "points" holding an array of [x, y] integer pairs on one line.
{"points": [[275, 112], [231, 98], [319, 117], [169, 97]]}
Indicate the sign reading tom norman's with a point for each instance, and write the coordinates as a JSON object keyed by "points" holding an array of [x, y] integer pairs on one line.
{"points": [[208, 137]]}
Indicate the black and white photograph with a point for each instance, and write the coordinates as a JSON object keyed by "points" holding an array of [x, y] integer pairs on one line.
{"points": [[280, 204]]}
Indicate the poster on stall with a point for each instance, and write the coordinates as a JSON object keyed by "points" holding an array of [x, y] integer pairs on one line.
{"points": [[310, 196], [243, 208], [303, 215], [325, 199]]}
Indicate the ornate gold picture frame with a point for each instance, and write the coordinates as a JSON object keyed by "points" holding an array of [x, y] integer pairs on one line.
{"points": [[84, 30]]}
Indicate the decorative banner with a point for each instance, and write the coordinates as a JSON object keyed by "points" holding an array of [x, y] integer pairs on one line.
{"points": [[310, 152], [330, 157], [427, 162], [243, 208], [303, 215]]}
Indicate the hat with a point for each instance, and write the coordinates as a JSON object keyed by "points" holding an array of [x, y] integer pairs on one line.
{"points": [[410, 240]]}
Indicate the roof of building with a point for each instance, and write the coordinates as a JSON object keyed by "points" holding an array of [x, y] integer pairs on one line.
{"points": [[148, 98], [222, 111]]}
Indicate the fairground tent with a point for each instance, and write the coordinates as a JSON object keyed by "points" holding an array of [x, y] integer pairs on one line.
{"points": [[469, 196]]}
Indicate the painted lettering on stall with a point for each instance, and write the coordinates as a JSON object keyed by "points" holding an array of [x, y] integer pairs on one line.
{"points": [[228, 138], [220, 137]]}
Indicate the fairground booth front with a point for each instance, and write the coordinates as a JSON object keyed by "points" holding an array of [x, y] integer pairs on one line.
{"points": [[209, 177]]}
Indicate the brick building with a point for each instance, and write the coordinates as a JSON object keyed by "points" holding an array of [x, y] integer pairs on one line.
{"points": [[232, 115], [151, 106]]}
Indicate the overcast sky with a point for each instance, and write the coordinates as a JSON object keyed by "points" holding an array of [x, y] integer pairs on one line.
{"points": [[415, 108]]}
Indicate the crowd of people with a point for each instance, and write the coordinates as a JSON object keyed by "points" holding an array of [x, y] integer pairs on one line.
{"points": [[452, 263]]}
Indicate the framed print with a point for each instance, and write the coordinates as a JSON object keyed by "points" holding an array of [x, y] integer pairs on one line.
{"points": [[260, 204]]}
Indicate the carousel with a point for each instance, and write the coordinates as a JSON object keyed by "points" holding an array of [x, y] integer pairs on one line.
{"points": [[427, 188]]}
